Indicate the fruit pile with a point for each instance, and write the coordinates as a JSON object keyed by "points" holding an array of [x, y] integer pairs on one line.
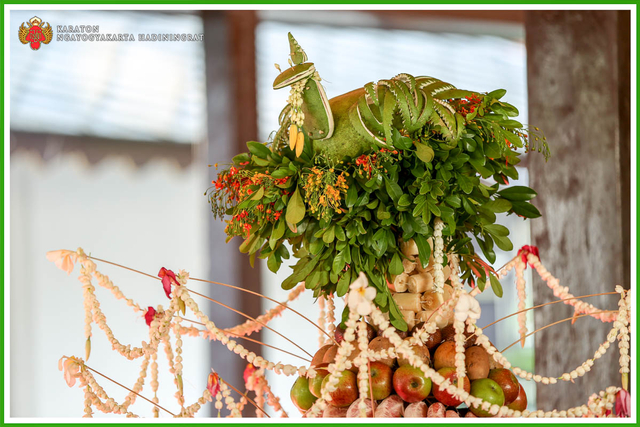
{"points": [[401, 390]]}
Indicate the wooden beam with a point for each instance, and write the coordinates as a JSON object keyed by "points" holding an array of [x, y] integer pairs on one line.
{"points": [[231, 121], [574, 68]]}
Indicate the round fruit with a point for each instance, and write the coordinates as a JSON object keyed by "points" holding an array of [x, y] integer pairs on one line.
{"points": [[300, 394], [419, 350], [317, 358], [507, 382], [445, 355], [520, 404], [442, 395], [315, 383], [477, 362], [433, 340], [330, 354], [381, 343], [411, 384], [381, 380], [487, 390], [346, 391]]}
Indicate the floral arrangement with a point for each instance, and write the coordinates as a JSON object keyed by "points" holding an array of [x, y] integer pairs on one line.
{"points": [[346, 203]]}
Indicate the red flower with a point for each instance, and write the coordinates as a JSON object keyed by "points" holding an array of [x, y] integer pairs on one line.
{"points": [[248, 371], [213, 383], [623, 404], [167, 277], [149, 315], [526, 250]]}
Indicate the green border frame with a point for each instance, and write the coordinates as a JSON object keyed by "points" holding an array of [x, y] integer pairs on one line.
{"points": [[335, 2]]}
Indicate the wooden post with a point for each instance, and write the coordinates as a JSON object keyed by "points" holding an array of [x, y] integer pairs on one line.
{"points": [[231, 121], [578, 77]]}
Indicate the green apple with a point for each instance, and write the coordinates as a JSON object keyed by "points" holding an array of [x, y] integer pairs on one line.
{"points": [[315, 383], [487, 390], [507, 382], [300, 394]]}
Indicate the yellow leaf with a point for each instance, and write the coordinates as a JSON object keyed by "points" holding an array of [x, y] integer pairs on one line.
{"points": [[299, 144], [293, 135]]}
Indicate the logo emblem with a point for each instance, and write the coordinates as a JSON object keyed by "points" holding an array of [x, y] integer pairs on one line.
{"points": [[35, 33]]}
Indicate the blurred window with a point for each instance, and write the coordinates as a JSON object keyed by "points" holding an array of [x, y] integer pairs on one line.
{"points": [[134, 90]]}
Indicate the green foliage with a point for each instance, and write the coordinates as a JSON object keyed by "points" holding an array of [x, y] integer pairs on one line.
{"points": [[350, 216]]}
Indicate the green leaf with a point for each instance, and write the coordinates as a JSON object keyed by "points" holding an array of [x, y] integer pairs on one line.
{"points": [[517, 193], [338, 263], [405, 200], [424, 249], [300, 272], [396, 317], [340, 233], [424, 152], [329, 235], [498, 205], [258, 194], [258, 149], [241, 158], [352, 195], [503, 243], [453, 201], [295, 208], [272, 263], [495, 285], [497, 230], [497, 94], [393, 189], [526, 210], [395, 267], [276, 234], [343, 283]]}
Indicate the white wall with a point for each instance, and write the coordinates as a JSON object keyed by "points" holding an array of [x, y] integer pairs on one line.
{"points": [[144, 218]]}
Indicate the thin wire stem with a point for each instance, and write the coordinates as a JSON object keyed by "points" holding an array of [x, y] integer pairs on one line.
{"points": [[127, 388], [555, 323], [245, 396], [250, 318], [224, 284], [270, 299], [546, 303], [248, 339]]}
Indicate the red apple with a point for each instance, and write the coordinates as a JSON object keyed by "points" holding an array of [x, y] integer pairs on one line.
{"points": [[487, 390], [381, 380], [411, 384], [520, 404], [346, 391], [442, 395], [315, 383], [300, 394], [507, 382]]}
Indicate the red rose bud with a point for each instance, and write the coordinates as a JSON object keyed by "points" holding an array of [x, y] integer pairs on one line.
{"points": [[149, 315], [213, 383], [167, 277], [248, 371], [623, 404], [526, 250]]}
